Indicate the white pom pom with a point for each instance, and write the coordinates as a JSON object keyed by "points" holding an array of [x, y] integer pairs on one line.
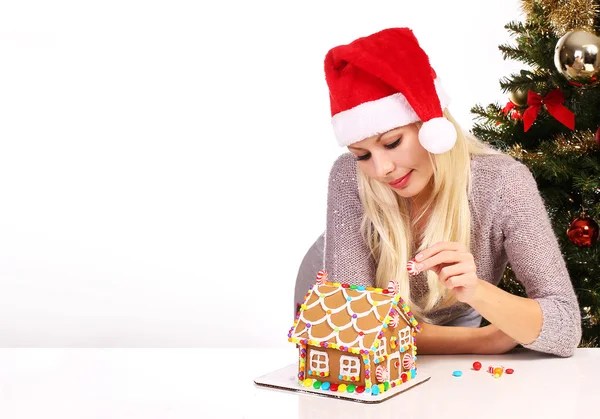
{"points": [[437, 135]]}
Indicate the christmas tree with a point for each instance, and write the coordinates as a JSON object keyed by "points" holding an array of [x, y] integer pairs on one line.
{"points": [[550, 123]]}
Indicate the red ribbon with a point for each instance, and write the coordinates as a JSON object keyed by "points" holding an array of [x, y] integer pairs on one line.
{"points": [[511, 110], [509, 107], [554, 103]]}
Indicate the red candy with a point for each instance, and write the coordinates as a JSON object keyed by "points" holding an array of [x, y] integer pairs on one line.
{"points": [[477, 366], [509, 371], [333, 387], [360, 389]]}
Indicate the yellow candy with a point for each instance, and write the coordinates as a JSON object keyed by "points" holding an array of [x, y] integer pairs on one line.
{"points": [[342, 388], [308, 382]]}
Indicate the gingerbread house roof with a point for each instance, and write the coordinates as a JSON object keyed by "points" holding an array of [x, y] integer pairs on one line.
{"points": [[347, 316]]}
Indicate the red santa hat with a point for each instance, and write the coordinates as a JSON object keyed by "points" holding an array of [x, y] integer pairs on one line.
{"points": [[384, 81]]}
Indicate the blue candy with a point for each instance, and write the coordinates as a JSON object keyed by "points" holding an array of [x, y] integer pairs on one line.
{"points": [[457, 373]]}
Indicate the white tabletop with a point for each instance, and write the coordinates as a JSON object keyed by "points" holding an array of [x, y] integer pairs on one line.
{"points": [[218, 383]]}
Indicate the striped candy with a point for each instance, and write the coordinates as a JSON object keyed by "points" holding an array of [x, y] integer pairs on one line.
{"points": [[321, 277], [395, 318], [381, 373], [412, 267], [407, 361], [393, 287]]}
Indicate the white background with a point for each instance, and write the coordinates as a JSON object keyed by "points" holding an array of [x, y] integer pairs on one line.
{"points": [[164, 164]]}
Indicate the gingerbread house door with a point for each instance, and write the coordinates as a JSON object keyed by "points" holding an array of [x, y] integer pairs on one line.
{"points": [[394, 366]]}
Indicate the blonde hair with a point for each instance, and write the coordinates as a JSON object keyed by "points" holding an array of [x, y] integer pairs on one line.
{"points": [[387, 226]]}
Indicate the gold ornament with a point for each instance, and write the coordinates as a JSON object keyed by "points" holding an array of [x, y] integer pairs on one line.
{"points": [[577, 57], [518, 97]]}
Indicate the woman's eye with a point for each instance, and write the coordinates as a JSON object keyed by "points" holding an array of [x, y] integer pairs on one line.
{"points": [[394, 144], [363, 157]]}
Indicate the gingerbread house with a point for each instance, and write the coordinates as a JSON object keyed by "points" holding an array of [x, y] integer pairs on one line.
{"points": [[354, 339]]}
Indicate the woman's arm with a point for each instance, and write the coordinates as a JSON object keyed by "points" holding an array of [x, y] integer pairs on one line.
{"points": [[451, 340], [536, 259], [518, 317]]}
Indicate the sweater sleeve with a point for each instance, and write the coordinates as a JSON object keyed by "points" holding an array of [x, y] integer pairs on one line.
{"points": [[347, 256], [535, 257]]}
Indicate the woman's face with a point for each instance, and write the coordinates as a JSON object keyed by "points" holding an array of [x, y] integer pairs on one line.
{"points": [[398, 160]]}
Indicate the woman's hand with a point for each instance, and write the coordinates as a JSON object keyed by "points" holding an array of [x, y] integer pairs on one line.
{"points": [[454, 266]]}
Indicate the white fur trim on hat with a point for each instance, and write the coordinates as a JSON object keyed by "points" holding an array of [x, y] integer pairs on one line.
{"points": [[378, 116], [437, 135]]}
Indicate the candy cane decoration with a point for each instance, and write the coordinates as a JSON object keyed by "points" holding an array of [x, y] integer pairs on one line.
{"points": [[393, 287], [381, 373], [322, 277], [412, 267], [407, 361], [395, 319]]}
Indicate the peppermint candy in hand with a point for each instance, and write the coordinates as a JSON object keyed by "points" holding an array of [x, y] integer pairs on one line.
{"points": [[322, 277], [412, 267], [381, 373]]}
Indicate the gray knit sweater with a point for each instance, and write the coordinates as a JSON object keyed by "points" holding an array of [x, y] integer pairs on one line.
{"points": [[509, 225]]}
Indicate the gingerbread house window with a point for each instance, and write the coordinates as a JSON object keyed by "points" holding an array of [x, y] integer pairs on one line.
{"points": [[319, 361], [404, 337], [381, 349], [349, 366]]}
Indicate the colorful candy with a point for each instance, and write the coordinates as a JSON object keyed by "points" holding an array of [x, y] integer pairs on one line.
{"points": [[476, 365], [509, 371], [457, 373], [490, 369], [412, 267]]}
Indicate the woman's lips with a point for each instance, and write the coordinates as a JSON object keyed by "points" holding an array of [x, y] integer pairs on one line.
{"points": [[400, 183]]}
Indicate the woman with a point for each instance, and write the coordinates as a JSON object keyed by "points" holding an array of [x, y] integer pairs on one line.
{"points": [[416, 190]]}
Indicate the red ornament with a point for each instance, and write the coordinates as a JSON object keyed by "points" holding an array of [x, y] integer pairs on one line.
{"points": [[477, 366], [583, 232]]}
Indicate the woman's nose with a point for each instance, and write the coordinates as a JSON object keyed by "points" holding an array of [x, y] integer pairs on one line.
{"points": [[384, 166]]}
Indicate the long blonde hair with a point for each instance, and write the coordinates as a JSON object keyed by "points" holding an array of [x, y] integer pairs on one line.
{"points": [[387, 226]]}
